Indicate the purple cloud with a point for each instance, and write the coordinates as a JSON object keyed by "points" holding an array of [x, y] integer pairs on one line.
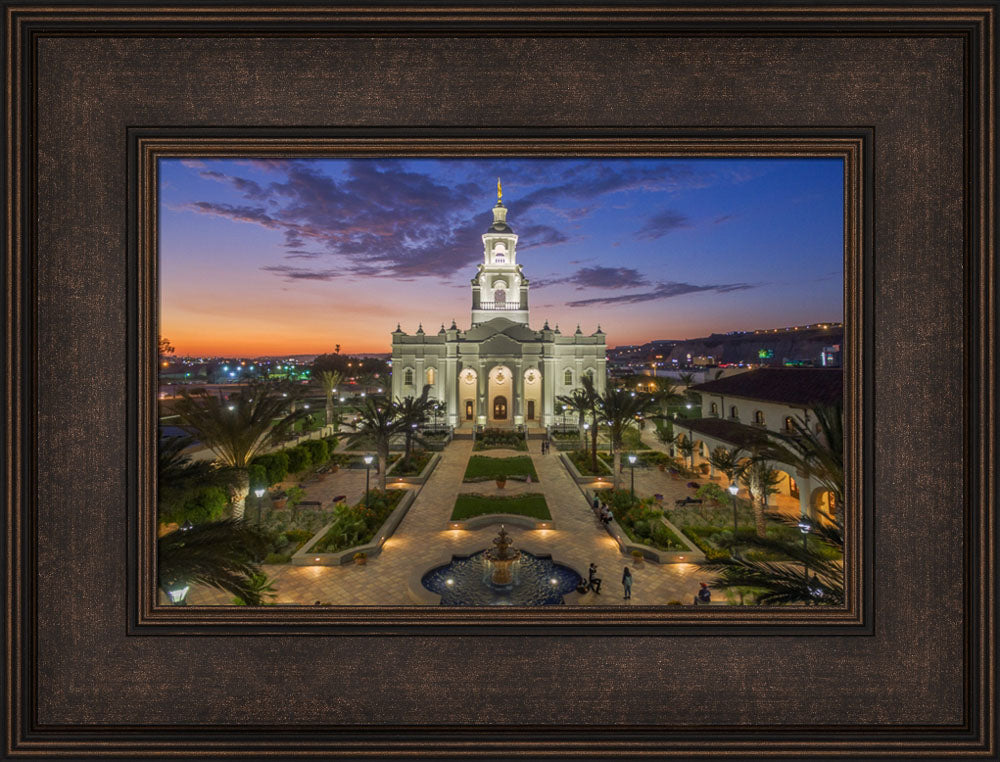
{"points": [[662, 291], [662, 223]]}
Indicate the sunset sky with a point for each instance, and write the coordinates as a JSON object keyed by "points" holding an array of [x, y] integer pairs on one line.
{"points": [[271, 257]]}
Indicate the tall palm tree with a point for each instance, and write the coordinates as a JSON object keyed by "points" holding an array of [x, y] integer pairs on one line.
{"points": [[329, 380], [665, 434], [760, 479], [238, 430], [378, 421], [786, 581], [593, 405], [819, 454], [222, 554], [667, 396], [414, 411], [728, 462], [578, 402], [622, 410]]}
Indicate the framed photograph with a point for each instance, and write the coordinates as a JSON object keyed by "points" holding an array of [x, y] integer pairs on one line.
{"points": [[369, 367]]}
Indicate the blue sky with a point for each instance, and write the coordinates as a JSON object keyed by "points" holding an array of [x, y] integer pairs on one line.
{"points": [[295, 256]]}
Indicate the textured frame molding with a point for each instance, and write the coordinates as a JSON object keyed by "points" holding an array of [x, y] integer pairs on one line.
{"points": [[975, 24]]}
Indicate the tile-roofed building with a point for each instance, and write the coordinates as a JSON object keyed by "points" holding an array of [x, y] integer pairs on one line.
{"points": [[797, 387], [740, 410]]}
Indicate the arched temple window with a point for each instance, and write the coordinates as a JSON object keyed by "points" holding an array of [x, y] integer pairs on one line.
{"points": [[758, 417], [568, 377], [734, 412], [431, 375], [408, 377], [714, 409]]}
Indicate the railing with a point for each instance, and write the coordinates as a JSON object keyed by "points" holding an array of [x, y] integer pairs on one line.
{"points": [[499, 306]]}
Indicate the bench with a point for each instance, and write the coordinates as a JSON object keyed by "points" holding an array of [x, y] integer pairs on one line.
{"points": [[339, 498], [687, 501]]}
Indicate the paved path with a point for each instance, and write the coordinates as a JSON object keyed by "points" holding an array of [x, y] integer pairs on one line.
{"points": [[424, 536]]}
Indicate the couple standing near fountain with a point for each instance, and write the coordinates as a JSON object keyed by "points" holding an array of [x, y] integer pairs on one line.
{"points": [[594, 582]]}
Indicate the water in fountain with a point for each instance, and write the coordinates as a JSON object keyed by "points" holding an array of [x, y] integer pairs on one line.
{"points": [[501, 576]]}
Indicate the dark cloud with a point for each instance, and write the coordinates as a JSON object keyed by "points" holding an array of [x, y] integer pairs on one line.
{"points": [[662, 291], [299, 273], [662, 223], [724, 218], [599, 277], [379, 218]]}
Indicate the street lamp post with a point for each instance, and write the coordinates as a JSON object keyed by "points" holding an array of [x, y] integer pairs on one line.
{"points": [[631, 465], [368, 465], [259, 494], [805, 527], [733, 489]]}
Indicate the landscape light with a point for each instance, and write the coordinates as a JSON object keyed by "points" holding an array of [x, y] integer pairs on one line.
{"points": [[804, 527], [733, 489], [368, 460], [232, 407], [306, 406], [259, 492], [177, 595], [689, 406], [631, 458]]}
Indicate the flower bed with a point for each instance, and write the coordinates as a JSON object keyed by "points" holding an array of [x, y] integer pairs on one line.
{"points": [[356, 524], [481, 468], [532, 505], [500, 439], [582, 461], [641, 521], [413, 465]]}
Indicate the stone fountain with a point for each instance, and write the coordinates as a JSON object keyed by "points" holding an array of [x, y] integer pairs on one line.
{"points": [[501, 558]]}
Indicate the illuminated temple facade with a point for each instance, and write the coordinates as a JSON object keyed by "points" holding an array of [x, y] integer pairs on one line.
{"points": [[499, 372]]}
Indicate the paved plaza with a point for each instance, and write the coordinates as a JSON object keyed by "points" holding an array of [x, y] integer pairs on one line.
{"points": [[423, 538]]}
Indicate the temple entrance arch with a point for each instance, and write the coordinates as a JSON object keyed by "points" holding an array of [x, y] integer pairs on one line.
{"points": [[499, 395], [467, 381], [532, 396]]}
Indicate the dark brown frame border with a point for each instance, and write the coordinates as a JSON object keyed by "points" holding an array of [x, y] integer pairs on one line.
{"points": [[853, 147], [975, 24]]}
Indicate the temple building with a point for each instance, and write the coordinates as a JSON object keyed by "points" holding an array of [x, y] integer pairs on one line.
{"points": [[499, 372]]}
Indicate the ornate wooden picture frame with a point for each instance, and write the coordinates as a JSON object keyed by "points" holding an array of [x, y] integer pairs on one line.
{"points": [[904, 94]]}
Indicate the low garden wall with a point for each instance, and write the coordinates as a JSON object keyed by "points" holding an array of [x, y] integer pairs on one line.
{"points": [[511, 519], [582, 478], [305, 558]]}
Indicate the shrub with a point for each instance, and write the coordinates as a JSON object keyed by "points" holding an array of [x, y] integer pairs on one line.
{"points": [[641, 529], [275, 465], [299, 459], [205, 504], [298, 535], [712, 491], [294, 496], [258, 476], [277, 558], [319, 451]]}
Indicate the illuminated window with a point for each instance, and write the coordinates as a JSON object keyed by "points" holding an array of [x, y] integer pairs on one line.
{"points": [[431, 373], [714, 409], [789, 426]]}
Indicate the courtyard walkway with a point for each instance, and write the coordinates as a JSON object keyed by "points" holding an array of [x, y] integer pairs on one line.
{"points": [[423, 537]]}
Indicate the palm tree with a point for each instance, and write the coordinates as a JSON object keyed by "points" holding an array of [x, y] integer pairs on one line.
{"points": [[237, 430], [221, 554], [665, 434], [593, 403], [787, 581], [329, 380], [760, 479], [686, 446], [622, 410], [414, 411], [378, 421], [727, 462], [668, 396], [579, 403], [818, 454]]}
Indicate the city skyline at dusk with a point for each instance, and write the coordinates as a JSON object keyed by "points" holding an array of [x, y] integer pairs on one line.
{"points": [[273, 257]]}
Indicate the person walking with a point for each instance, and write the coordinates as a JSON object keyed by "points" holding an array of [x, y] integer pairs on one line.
{"points": [[627, 583], [594, 580]]}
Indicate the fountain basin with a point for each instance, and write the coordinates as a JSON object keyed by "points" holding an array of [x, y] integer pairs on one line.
{"points": [[536, 581]]}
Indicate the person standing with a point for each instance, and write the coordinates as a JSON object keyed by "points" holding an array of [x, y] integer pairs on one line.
{"points": [[627, 583], [593, 579]]}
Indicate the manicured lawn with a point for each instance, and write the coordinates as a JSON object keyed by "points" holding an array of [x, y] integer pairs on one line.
{"points": [[482, 468], [532, 505]]}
